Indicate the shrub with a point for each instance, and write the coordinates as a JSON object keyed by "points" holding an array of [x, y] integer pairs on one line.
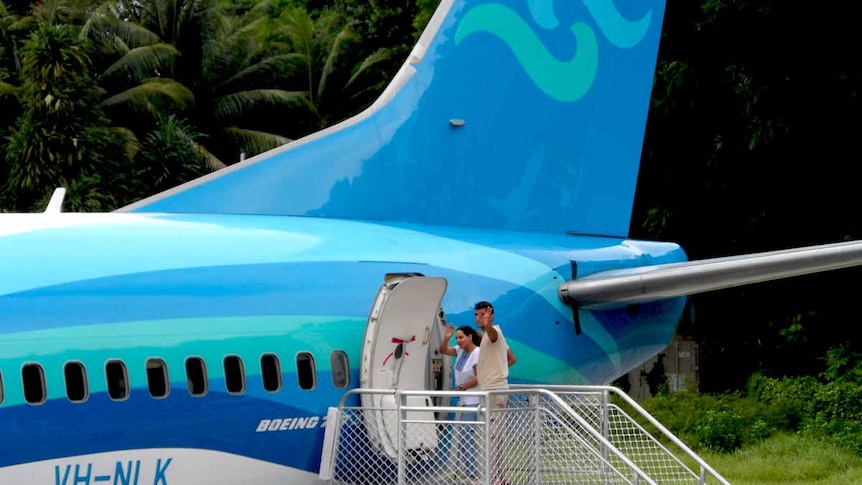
{"points": [[787, 402], [761, 430], [720, 430]]}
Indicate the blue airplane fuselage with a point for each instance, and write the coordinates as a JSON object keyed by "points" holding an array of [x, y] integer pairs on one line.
{"points": [[94, 288]]}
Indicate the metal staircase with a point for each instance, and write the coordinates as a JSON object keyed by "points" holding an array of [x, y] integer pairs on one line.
{"points": [[545, 435]]}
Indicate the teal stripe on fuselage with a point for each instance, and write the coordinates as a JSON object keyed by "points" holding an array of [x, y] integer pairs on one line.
{"points": [[174, 341], [211, 339]]}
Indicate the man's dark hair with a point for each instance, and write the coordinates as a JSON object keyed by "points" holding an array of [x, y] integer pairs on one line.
{"points": [[483, 305]]}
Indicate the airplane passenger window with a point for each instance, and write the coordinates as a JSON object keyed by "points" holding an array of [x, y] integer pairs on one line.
{"points": [[118, 380], [270, 371], [196, 374], [157, 378], [33, 377], [305, 371], [234, 375], [76, 381], [340, 368]]}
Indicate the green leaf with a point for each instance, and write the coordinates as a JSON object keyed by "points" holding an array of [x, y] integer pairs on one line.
{"points": [[260, 69], [381, 55], [236, 104], [342, 40], [146, 97], [7, 90], [104, 22], [143, 62], [253, 142]]}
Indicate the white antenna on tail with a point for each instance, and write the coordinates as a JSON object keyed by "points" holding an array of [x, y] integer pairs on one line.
{"points": [[55, 205]]}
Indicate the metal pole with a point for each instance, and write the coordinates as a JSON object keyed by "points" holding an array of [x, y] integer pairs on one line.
{"points": [[402, 438], [603, 414], [537, 411], [487, 399]]}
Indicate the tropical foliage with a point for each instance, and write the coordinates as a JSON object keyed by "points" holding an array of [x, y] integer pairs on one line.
{"points": [[334, 81], [822, 410], [751, 137], [751, 146], [61, 137], [152, 93]]}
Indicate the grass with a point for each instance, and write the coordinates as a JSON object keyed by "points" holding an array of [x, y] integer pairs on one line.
{"points": [[788, 460]]}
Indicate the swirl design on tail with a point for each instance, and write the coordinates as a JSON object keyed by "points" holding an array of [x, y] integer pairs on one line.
{"points": [[619, 31], [543, 13], [565, 81]]}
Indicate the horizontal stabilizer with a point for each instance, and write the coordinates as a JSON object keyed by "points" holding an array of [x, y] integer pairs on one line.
{"points": [[635, 285]]}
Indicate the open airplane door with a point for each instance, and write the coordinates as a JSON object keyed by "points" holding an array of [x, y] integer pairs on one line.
{"points": [[401, 336]]}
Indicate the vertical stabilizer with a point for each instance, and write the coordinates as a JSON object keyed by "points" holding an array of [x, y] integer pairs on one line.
{"points": [[510, 114]]}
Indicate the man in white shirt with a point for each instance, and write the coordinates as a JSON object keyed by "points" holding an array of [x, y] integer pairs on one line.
{"points": [[492, 372], [496, 356]]}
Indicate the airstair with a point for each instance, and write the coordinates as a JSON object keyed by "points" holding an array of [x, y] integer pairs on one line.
{"points": [[543, 435]]}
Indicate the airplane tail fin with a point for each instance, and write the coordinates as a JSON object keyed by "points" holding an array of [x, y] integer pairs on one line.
{"points": [[508, 114]]}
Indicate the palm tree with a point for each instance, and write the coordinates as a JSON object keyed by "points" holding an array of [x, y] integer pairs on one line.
{"points": [[336, 83], [134, 66], [61, 137], [8, 101], [231, 76], [202, 64], [170, 155], [12, 32]]}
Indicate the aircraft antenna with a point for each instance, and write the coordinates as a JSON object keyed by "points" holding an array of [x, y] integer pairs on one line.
{"points": [[55, 205]]}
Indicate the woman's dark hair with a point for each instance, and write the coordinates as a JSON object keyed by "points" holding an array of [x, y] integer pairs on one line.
{"points": [[472, 333]]}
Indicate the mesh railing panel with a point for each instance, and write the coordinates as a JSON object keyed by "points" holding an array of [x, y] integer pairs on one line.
{"points": [[562, 450], [435, 447], [525, 438], [659, 461]]}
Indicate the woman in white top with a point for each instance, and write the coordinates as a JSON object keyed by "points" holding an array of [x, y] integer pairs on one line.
{"points": [[467, 353]]}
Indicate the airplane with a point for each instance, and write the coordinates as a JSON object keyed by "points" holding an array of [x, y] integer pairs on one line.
{"points": [[201, 334]]}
